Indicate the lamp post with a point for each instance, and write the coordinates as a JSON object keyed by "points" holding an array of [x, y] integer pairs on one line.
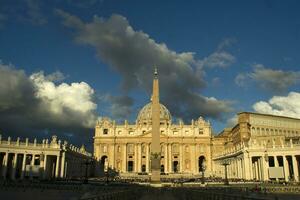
{"points": [[203, 166], [225, 164]]}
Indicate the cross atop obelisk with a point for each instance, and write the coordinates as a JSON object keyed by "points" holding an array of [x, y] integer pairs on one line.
{"points": [[155, 144]]}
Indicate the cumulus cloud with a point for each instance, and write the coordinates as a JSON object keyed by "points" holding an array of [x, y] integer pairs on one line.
{"points": [[280, 105], [133, 54], [34, 103], [276, 81]]}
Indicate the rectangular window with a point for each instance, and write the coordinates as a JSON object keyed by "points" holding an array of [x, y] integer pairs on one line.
{"points": [[105, 131]]}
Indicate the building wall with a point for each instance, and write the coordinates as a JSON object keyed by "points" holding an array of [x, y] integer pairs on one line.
{"points": [[257, 145], [180, 143]]}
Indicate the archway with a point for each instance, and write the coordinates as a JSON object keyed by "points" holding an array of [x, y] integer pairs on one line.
{"points": [[201, 163], [104, 163]]}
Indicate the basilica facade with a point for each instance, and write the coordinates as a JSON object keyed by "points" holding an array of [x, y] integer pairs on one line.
{"points": [[126, 147]]}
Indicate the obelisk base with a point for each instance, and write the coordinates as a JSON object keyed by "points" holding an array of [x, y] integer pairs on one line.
{"points": [[155, 169], [155, 176]]}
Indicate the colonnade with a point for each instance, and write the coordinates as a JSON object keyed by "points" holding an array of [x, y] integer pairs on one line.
{"points": [[256, 167], [20, 165], [172, 160]]}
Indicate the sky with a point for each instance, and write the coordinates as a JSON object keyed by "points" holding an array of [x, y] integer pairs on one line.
{"points": [[64, 64]]}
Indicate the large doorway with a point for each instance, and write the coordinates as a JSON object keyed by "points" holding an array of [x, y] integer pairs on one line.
{"points": [[130, 166], [104, 164], [162, 168], [143, 168], [175, 166], [201, 163]]}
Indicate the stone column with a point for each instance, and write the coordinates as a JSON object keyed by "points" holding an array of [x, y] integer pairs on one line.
{"points": [[135, 158], [276, 161], [147, 158], [295, 168], [166, 156], [236, 168], [180, 157], [113, 159], [4, 165], [14, 165], [247, 167], [139, 157], [256, 170], [62, 169], [31, 166], [286, 168], [241, 168], [57, 166], [170, 157], [124, 164], [265, 167], [23, 166], [45, 167]]}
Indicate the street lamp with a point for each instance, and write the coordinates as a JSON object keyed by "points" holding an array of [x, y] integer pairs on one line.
{"points": [[203, 167], [225, 164]]}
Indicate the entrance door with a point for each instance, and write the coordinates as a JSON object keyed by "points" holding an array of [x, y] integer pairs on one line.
{"points": [[162, 168], [130, 166], [175, 166]]}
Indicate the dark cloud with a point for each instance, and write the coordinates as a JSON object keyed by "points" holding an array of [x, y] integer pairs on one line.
{"points": [[36, 106], [275, 81], [120, 107], [133, 54]]}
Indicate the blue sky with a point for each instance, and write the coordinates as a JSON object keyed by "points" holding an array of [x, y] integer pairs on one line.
{"points": [[223, 56]]}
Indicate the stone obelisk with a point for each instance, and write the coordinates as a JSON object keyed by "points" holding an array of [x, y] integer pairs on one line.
{"points": [[155, 144]]}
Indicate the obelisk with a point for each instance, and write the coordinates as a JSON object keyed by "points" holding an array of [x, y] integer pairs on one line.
{"points": [[155, 144]]}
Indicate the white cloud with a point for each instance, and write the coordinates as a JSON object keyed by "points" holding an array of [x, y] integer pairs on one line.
{"points": [[280, 105], [75, 97], [36, 103]]}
